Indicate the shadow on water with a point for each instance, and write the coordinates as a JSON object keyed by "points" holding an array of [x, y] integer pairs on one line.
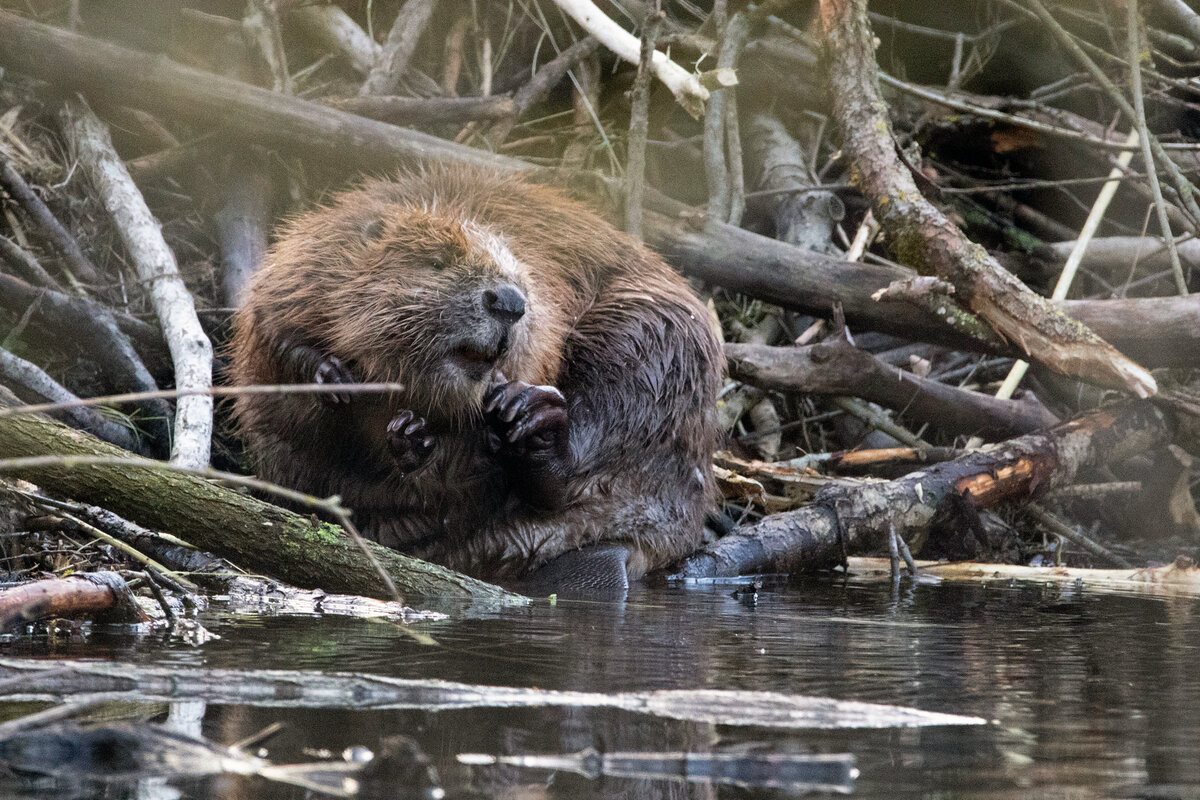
{"points": [[1091, 694]]}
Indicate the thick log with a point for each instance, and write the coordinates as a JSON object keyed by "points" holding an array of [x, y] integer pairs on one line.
{"points": [[857, 516], [836, 367], [245, 113], [249, 532]]}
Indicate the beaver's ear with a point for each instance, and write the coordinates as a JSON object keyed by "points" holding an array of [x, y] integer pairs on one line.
{"points": [[373, 230]]}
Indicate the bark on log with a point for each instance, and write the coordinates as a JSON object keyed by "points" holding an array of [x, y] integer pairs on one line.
{"points": [[857, 516], [923, 237], [836, 367], [253, 534]]}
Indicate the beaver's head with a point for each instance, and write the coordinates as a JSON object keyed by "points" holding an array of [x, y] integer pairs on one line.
{"points": [[436, 302]]}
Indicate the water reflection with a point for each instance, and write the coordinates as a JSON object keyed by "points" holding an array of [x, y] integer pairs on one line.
{"points": [[1093, 695]]}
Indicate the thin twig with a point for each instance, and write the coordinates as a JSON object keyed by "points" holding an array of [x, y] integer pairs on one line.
{"points": [[1139, 107], [639, 126], [214, 391]]}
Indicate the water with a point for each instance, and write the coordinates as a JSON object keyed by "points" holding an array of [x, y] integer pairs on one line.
{"points": [[1092, 695]]}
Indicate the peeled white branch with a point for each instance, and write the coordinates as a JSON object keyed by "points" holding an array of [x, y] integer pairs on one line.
{"points": [[155, 264], [333, 29], [683, 84]]}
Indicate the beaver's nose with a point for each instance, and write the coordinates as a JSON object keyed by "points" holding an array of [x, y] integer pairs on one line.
{"points": [[505, 303]]}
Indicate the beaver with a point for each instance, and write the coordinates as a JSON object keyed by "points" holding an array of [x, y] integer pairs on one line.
{"points": [[557, 422]]}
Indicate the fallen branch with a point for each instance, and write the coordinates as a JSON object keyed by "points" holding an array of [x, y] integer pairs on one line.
{"points": [[849, 518], [836, 367], [27, 680], [922, 236], [20, 374], [48, 225], [80, 322], [331, 27], [1177, 579], [397, 51], [141, 233]]}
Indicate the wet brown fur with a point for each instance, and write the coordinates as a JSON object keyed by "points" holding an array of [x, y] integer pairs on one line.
{"points": [[383, 278]]}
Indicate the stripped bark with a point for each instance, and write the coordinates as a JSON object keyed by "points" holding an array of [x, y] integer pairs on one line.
{"points": [[683, 84], [854, 517], [836, 367], [923, 237], [190, 348], [103, 595]]}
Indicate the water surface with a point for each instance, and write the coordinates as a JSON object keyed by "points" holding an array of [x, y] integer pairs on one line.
{"points": [[1092, 695]]}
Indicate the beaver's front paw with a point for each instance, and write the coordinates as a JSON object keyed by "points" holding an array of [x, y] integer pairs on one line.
{"points": [[527, 426], [526, 420], [407, 440], [331, 371]]}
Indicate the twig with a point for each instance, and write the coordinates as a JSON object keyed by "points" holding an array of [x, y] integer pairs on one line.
{"points": [[190, 348], [879, 421], [397, 51], [1139, 107], [16, 370], [49, 226], [330, 26], [213, 391], [683, 85], [1182, 185], [639, 125], [126, 548], [1067, 276], [1059, 528], [29, 267]]}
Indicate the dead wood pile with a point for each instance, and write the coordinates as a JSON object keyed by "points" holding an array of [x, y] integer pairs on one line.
{"points": [[891, 211]]}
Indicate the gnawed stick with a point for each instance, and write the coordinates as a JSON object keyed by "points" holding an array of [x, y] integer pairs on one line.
{"points": [[855, 516], [191, 351]]}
